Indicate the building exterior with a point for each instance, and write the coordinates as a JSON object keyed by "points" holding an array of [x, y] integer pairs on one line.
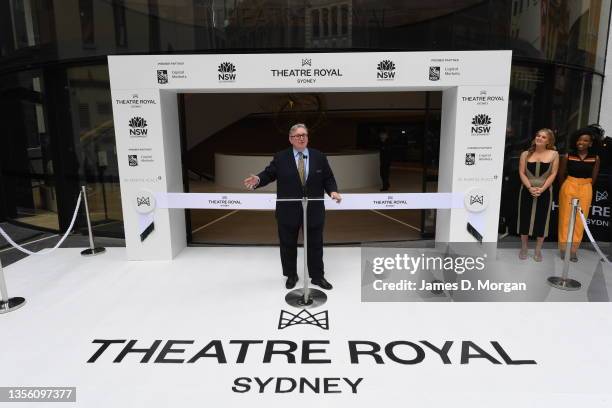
{"points": [[55, 95]]}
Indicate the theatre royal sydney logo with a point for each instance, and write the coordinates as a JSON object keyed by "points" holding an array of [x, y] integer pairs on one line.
{"points": [[481, 125], [288, 319], [138, 127], [386, 70], [227, 72], [306, 71]]}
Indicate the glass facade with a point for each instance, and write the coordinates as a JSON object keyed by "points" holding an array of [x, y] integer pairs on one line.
{"points": [[54, 89]]}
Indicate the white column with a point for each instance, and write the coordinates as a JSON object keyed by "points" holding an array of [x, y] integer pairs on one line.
{"points": [[471, 158], [149, 156]]}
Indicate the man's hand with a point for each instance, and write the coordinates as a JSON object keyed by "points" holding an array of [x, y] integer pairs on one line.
{"points": [[251, 182], [336, 197]]}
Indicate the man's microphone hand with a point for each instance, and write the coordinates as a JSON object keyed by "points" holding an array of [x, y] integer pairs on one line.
{"points": [[336, 197], [251, 182]]}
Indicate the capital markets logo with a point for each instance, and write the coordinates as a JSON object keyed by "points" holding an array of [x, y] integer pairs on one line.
{"points": [[601, 196], [133, 160], [481, 125], [470, 159], [386, 70], [227, 72], [288, 319], [434, 73], [162, 76], [138, 127]]}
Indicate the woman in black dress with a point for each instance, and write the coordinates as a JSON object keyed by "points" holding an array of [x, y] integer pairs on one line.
{"points": [[538, 168]]}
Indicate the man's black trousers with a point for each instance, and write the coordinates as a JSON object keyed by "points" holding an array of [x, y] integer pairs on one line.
{"points": [[288, 236]]}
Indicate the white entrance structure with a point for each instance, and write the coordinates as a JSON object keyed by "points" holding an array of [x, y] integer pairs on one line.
{"points": [[144, 90]]}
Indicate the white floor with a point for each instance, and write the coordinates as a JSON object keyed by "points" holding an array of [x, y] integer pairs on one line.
{"points": [[238, 293]]}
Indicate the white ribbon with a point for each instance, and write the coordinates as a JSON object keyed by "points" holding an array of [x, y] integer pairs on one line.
{"points": [[48, 250], [588, 232], [250, 201]]}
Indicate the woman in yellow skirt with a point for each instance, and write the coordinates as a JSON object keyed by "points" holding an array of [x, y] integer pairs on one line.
{"points": [[578, 172]]}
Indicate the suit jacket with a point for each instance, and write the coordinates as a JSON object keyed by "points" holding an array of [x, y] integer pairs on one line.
{"points": [[283, 170]]}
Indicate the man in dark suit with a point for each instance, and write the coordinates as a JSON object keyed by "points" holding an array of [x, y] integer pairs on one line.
{"points": [[298, 171]]}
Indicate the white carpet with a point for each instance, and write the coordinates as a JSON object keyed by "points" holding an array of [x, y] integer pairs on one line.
{"points": [[238, 293]]}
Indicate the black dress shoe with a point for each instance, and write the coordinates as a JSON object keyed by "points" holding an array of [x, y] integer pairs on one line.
{"points": [[291, 281], [322, 283]]}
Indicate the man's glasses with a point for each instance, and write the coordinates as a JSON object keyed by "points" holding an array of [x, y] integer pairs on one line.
{"points": [[302, 136]]}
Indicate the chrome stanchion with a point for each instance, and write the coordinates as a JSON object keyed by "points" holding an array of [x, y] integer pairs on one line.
{"points": [[8, 304], [564, 282], [92, 250], [305, 297]]}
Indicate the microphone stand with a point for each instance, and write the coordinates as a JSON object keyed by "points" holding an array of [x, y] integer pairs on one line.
{"points": [[305, 297]]}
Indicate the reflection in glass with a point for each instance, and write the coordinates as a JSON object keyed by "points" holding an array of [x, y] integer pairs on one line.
{"points": [[334, 20], [325, 22], [344, 19], [120, 23], [28, 188], [563, 31], [316, 26], [90, 104], [86, 13]]}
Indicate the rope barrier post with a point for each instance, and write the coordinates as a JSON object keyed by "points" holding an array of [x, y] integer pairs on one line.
{"points": [[92, 250], [564, 282], [8, 304], [305, 297]]}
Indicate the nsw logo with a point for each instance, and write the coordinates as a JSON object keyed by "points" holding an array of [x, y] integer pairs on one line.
{"points": [[434, 73], [481, 125], [138, 127], [227, 72], [386, 70]]}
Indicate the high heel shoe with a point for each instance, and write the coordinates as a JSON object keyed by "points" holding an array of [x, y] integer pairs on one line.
{"points": [[523, 253], [537, 256]]}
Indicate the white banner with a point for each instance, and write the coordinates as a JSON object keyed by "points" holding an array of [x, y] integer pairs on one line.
{"points": [[253, 201]]}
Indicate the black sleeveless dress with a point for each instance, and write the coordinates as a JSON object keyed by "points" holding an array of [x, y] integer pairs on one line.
{"points": [[534, 213]]}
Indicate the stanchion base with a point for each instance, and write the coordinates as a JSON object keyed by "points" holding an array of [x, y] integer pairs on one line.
{"points": [[12, 304], [93, 251], [564, 283], [295, 298]]}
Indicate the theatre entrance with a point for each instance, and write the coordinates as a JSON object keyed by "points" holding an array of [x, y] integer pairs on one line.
{"points": [[226, 137]]}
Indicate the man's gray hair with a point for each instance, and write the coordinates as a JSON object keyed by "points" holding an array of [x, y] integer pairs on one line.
{"points": [[296, 127]]}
